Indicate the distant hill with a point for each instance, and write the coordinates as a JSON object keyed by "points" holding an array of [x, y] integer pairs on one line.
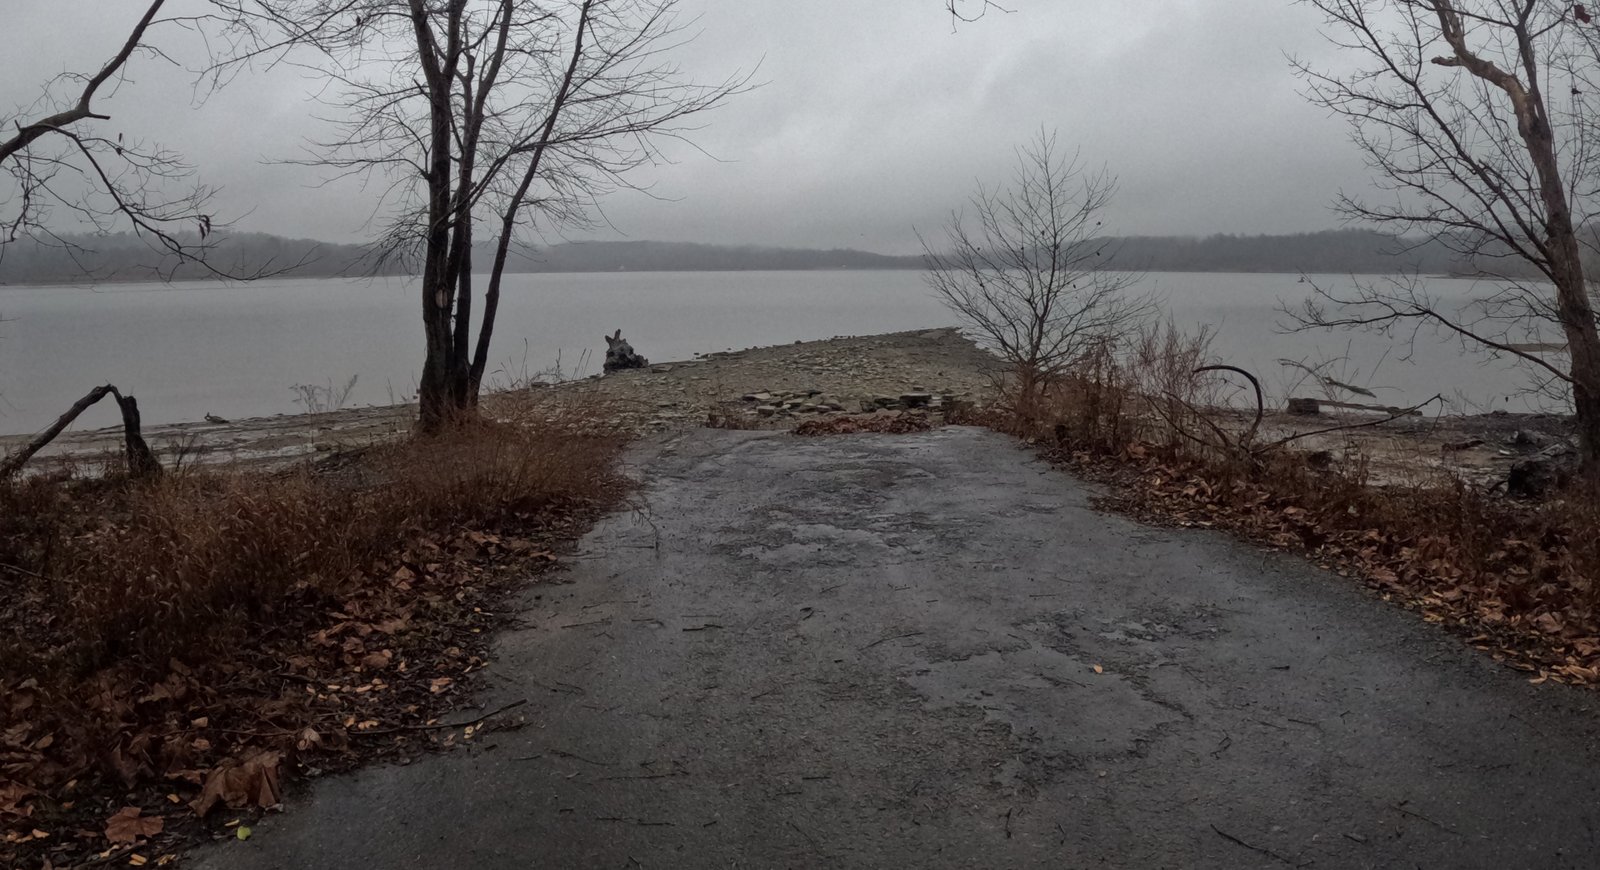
{"points": [[124, 257], [127, 258], [691, 257]]}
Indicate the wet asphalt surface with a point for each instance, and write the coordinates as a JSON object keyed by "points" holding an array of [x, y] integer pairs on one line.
{"points": [[881, 651]]}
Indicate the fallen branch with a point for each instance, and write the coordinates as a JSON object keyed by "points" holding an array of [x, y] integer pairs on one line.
{"points": [[109, 857], [1401, 807], [142, 461], [16, 569], [1357, 406], [1261, 405], [437, 726], [887, 639], [1327, 381], [1397, 414], [1264, 851], [1237, 445]]}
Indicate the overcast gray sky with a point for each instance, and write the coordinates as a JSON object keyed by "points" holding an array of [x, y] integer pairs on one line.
{"points": [[876, 116]]}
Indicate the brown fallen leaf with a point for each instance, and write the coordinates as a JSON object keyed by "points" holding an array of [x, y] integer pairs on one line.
{"points": [[12, 795], [127, 826], [439, 684], [308, 739], [238, 784]]}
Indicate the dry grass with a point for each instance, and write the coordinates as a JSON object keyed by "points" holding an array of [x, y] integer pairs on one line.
{"points": [[161, 640], [109, 571]]}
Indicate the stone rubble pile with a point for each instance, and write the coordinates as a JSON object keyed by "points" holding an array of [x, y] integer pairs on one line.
{"points": [[766, 403]]}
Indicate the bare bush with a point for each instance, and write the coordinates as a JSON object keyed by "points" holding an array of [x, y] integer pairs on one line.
{"points": [[1029, 272], [323, 398]]}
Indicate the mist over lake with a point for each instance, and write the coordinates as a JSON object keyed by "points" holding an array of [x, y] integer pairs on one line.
{"points": [[236, 350]]}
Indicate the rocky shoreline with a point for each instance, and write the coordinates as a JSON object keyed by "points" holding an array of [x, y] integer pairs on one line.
{"points": [[780, 386], [777, 386], [760, 387]]}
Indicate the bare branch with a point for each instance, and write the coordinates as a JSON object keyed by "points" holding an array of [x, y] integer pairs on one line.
{"points": [[1454, 113], [1033, 276]]}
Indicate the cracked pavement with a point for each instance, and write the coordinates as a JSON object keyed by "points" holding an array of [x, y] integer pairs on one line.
{"points": [[930, 650]]}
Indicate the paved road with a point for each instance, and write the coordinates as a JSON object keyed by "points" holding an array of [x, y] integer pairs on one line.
{"points": [[930, 651]]}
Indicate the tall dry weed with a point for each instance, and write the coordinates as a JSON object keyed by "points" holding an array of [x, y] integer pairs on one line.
{"points": [[109, 570]]}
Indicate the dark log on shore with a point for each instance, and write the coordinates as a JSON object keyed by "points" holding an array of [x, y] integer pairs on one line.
{"points": [[142, 460]]}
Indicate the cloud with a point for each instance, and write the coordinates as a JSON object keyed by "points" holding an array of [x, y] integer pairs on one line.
{"points": [[873, 118]]}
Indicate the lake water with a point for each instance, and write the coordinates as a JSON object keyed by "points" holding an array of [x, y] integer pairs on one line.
{"points": [[236, 350]]}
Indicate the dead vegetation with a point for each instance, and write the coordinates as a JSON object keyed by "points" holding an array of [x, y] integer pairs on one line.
{"points": [[172, 645], [1516, 578], [882, 423]]}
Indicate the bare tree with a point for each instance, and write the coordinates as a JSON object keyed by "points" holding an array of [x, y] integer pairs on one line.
{"points": [[1480, 117], [484, 120], [1029, 271], [60, 164]]}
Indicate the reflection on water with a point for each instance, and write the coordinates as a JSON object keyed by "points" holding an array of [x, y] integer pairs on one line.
{"points": [[237, 350]]}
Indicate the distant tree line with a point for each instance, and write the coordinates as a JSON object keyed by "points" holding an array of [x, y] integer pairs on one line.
{"points": [[126, 258]]}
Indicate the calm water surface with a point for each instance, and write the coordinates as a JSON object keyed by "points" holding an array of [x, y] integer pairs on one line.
{"points": [[236, 350]]}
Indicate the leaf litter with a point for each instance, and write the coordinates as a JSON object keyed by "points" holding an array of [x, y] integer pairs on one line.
{"points": [[1509, 578], [401, 645]]}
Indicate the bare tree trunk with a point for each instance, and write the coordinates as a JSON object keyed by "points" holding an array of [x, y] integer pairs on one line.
{"points": [[433, 390], [474, 114], [1478, 158], [1574, 311], [142, 461], [508, 219], [1583, 351], [491, 307]]}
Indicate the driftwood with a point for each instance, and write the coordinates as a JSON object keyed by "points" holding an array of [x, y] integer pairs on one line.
{"points": [[1308, 407], [1395, 414], [1380, 409], [142, 462], [1327, 381], [620, 355], [1244, 445]]}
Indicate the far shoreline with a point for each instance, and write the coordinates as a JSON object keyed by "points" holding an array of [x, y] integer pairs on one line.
{"points": [[128, 281]]}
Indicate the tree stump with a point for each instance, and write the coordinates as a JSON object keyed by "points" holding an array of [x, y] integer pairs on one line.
{"points": [[620, 355]]}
